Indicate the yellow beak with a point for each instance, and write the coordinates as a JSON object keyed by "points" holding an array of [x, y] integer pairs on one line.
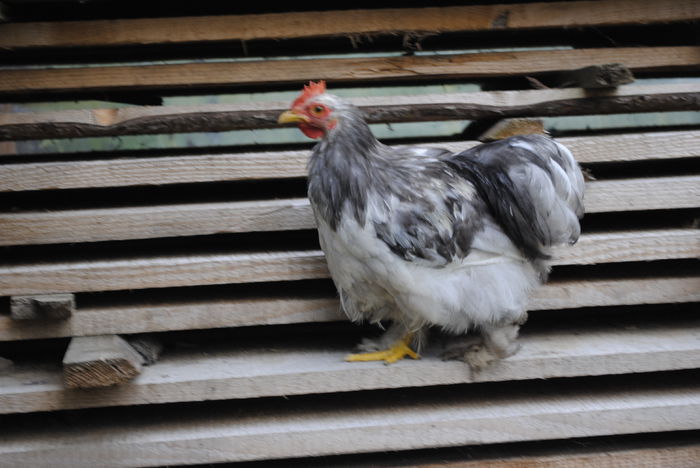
{"points": [[291, 117]]}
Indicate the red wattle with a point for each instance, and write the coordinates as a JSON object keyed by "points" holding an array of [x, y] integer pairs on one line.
{"points": [[311, 131]]}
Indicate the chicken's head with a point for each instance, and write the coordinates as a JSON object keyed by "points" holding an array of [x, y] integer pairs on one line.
{"points": [[313, 110]]}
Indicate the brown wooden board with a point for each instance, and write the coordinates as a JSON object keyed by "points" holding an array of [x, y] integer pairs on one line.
{"points": [[423, 67], [350, 23]]}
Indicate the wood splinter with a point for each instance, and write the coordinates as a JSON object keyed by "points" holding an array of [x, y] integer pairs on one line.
{"points": [[100, 361], [47, 306]]}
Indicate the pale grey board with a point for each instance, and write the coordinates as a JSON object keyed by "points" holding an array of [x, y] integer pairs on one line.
{"points": [[355, 424], [286, 367]]}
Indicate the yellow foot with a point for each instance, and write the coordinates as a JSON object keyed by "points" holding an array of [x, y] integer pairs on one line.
{"points": [[398, 351]]}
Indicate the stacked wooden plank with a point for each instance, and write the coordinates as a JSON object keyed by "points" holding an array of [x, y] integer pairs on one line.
{"points": [[212, 250]]}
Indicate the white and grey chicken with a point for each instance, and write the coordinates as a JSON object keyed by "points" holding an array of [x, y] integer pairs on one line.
{"points": [[424, 237]]}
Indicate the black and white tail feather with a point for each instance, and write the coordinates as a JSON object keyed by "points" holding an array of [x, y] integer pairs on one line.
{"points": [[533, 187]]}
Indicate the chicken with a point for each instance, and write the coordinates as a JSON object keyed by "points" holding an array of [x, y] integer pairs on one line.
{"points": [[421, 237]]}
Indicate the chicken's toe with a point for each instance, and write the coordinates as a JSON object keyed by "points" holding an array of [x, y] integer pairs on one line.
{"points": [[399, 350]]}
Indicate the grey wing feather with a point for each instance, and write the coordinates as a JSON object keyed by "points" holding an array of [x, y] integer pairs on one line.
{"points": [[427, 213], [533, 187]]}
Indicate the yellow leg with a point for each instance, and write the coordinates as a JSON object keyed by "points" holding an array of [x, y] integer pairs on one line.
{"points": [[398, 351]]}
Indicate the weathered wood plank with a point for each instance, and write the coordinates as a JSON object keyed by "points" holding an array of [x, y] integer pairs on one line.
{"points": [[102, 224], [344, 23], [45, 306], [289, 164], [633, 194], [218, 433], [156, 221], [202, 269], [216, 313], [154, 171], [629, 246], [477, 105], [319, 368], [634, 147], [235, 312], [477, 65], [166, 271], [100, 361], [682, 456]]}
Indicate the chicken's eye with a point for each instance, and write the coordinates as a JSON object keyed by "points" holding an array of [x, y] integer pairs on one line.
{"points": [[317, 109]]}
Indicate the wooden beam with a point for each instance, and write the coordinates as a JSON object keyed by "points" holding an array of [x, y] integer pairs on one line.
{"points": [[147, 222], [100, 361], [432, 107], [348, 23], [478, 65], [200, 313], [46, 306], [202, 269], [292, 164], [286, 369], [317, 427]]}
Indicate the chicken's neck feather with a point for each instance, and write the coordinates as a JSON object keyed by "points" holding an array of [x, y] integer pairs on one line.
{"points": [[343, 167]]}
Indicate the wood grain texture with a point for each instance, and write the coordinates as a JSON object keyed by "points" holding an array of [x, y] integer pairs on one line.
{"points": [[163, 170], [100, 361], [344, 23], [629, 246], [42, 307], [157, 221], [163, 271], [203, 269], [147, 222], [201, 313], [633, 194], [667, 457], [217, 433], [477, 65], [431, 107], [226, 373]]}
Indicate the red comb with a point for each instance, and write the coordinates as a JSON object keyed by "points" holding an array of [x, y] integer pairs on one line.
{"points": [[312, 89]]}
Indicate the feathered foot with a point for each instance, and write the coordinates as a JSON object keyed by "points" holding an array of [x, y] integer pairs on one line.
{"points": [[495, 343], [399, 350]]}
